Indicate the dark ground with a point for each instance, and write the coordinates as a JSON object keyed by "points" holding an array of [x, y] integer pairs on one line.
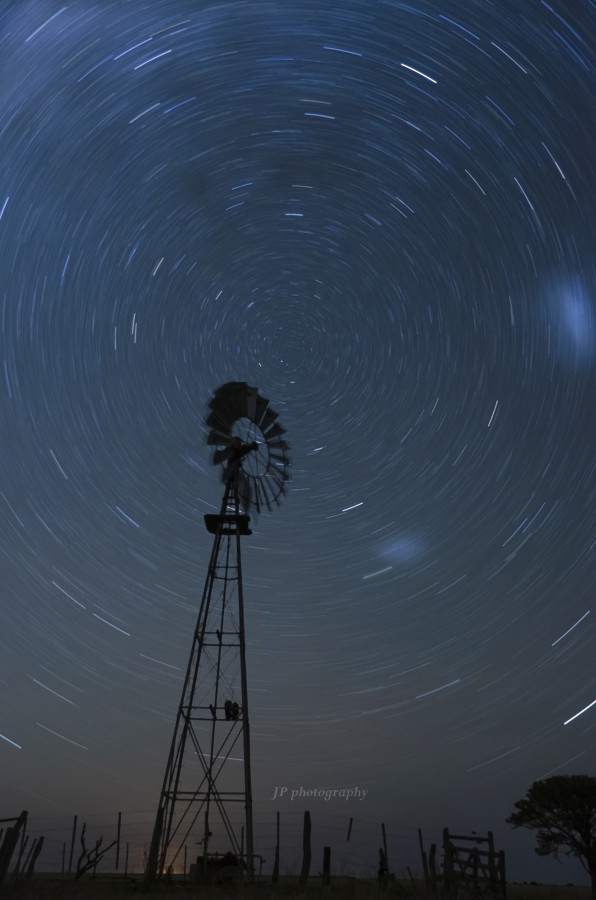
{"points": [[105, 888]]}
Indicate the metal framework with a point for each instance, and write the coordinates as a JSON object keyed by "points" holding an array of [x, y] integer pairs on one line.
{"points": [[206, 799]]}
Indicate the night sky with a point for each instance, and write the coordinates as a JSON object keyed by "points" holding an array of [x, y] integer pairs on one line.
{"points": [[383, 215]]}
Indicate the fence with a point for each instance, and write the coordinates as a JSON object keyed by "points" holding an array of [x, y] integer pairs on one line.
{"points": [[343, 846]]}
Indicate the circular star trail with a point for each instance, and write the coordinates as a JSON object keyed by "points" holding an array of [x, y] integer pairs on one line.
{"points": [[382, 215]]}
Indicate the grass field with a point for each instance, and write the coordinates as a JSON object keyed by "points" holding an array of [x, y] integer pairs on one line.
{"points": [[105, 888]]}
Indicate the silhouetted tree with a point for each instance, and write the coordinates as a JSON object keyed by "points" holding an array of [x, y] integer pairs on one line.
{"points": [[562, 809]]}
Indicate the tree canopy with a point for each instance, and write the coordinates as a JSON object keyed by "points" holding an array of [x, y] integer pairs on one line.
{"points": [[562, 809]]}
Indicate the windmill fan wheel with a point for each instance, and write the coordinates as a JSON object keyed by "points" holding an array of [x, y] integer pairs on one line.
{"points": [[249, 445]]}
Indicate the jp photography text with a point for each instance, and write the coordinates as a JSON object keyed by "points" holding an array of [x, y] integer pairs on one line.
{"points": [[286, 793]]}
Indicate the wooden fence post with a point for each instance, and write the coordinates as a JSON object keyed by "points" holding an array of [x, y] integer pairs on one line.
{"points": [[72, 843], [24, 841], [448, 879], [11, 838], [34, 853], [326, 865], [383, 875], [475, 867], [275, 875], [432, 867], [501, 870], [424, 861], [492, 863], [306, 853], [118, 840]]}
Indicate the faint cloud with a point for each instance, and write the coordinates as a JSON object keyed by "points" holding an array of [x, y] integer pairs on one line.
{"points": [[403, 548], [572, 322]]}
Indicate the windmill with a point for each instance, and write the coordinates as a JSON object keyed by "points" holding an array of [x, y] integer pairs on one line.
{"points": [[208, 779]]}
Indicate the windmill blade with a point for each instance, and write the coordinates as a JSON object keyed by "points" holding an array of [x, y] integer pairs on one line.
{"points": [[263, 498], [278, 457], [280, 471], [257, 496], [267, 420], [276, 486], [252, 403], [280, 475], [261, 408], [278, 494], [219, 438], [229, 402], [267, 494], [220, 414], [275, 431], [216, 423]]}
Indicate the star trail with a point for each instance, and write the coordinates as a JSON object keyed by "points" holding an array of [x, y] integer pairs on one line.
{"points": [[382, 216]]}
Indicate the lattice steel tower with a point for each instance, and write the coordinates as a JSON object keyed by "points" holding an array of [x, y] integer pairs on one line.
{"points": [[206, 798]]}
